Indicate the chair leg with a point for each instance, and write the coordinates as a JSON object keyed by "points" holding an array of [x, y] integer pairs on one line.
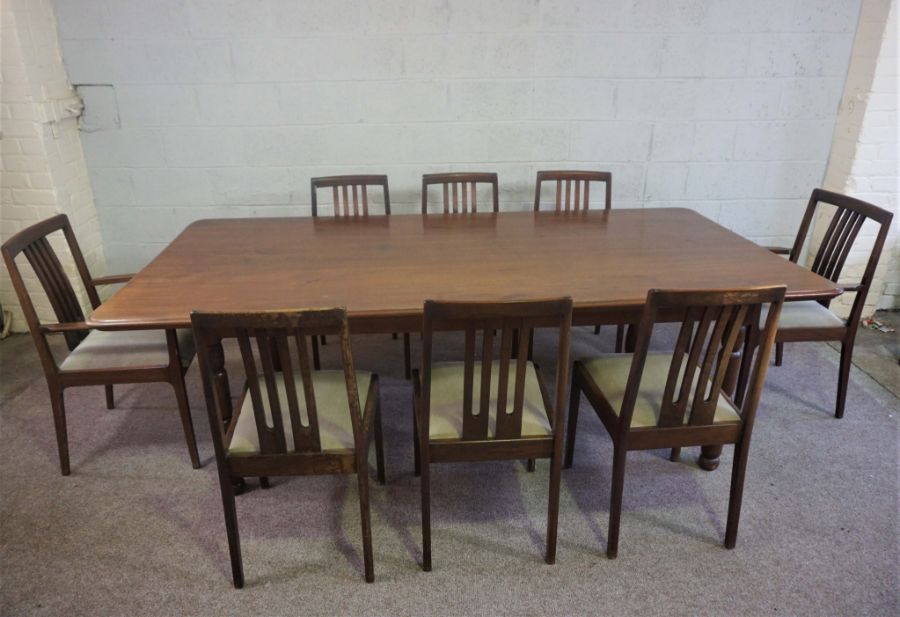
{"points": [[615, 502], [57, 403], [620, 338], [110, 399], [426, 517], [574, 400], [407, 363], [379, 446], [843, 378], [675, 455], [323, 339], [317, 365], [553, 505], [231, 529], [596, 330], [530, 465], [737, 492], [417, 460], [779, 353], [264, 482], [184, 410], [362, 474]]}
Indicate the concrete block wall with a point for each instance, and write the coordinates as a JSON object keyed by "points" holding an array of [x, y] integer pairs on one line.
{"points": [[207, 108], [43, 168], [864, 156]]}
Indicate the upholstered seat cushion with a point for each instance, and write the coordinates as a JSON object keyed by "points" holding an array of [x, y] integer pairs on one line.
{"points": [[610, 373], [807, 314], [446, 419], [332, 412], [127, 349]]}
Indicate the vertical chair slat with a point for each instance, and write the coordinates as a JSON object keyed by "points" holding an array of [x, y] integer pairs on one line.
{"points": [[311, 441], [506, 336], [269, 374], [558, 195], [848, 245], [587, 193], [335, 198], [828, 240], [577, 199], [283, 352], [365, 200], [487, 354], [465, 199], [470, 422], [264, 433], [474, 197]]}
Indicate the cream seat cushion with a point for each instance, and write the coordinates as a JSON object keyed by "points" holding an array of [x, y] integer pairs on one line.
{"points": [[446, 420], [332, 412], [128, 348], [610, 373], [806, 314]]}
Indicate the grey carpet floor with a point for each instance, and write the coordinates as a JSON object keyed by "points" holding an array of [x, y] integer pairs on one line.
{"points": [[135, 531]]}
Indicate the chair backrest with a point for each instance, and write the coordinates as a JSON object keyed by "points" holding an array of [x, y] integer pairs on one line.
{"points": [[274, 349], [839, 237], [709, 334], [343, 187], [34, 244], [514, 322], [577, 193], [460, 190]]}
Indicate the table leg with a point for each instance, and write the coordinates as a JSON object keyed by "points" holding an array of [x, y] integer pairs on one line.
{"points": [[709, 455]]}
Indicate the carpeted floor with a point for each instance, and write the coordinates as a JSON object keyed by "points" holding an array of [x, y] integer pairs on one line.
{"points": [[135, 531]]}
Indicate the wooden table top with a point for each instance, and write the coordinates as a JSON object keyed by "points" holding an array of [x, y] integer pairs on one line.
{"points": [[382, 269]]}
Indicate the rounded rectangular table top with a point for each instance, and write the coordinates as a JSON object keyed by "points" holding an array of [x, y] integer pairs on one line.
{"points": [[382, 269]]}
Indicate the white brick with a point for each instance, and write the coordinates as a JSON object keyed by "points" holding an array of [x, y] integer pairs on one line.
{"points": [[790, 179], [574, 99], [618, 141], [665, 181], [291, 18], [656, 99], [404, 101], [494, 16], [169, 187], [123, 148], [811, 98], [112, 187], [80, 20], [726, 55], [802, 55], [607, 15], [469, 55], [229, 18], [407, 16], [740, 16], [238, 105], [160, 19], [808, 139], [825, 15], [284, 146], [672, 142], [144, 105], [726, 180], [188, 62], [599, 55], [320, 102], [528, 142], [251, 185], [713, 141], [738, 99], [490, 100], [214, 147], [101, 111]]}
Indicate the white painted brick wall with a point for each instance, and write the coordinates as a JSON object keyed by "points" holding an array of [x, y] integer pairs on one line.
{"points": [[227, 107], [43, 167], [864, 157]]}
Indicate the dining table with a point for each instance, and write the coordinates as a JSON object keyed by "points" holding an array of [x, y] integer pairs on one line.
{"points": [[383, 268]]}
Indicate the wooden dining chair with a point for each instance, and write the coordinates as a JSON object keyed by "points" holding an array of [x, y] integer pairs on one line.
{"points": [[350, 197], [96, 358], [350, 193], [460, 190], [645, 401], [812, 320], [514, 419], [573, 194], [573, 189], [291, 420]]}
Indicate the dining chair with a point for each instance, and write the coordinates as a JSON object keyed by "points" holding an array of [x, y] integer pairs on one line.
{"points": [[291, 420], [645, 400], [573, 194], [95, 358], [460, 192], [514, 419], [811, 320], [350, 197], [573, 189]]}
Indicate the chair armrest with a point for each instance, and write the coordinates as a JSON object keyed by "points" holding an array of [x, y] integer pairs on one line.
{"points": [[850, 287], [59, 328], [778, 250], [112, 279]]}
